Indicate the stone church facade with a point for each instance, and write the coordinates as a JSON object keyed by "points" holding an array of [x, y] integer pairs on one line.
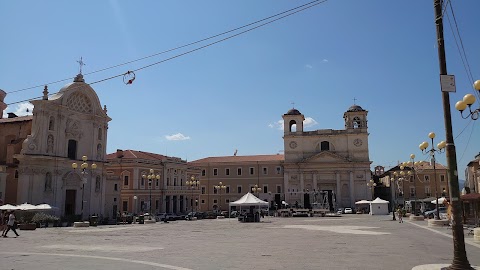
{"points": [[334, 162], [64, 128]]}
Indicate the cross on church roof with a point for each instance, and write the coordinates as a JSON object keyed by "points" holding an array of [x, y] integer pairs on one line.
{"points": [[354, 101], [81, 63]]}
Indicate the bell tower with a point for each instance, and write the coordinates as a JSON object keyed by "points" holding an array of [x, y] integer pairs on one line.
{"points": [[293, 122], [355, 119]]}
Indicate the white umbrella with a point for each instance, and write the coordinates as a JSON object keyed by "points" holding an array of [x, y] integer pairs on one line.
{"points": [[26, 207], [45, 206], [440, 200], [8, 207]]}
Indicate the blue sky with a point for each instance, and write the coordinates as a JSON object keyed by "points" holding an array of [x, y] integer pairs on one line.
{"points": [[231, 95]]}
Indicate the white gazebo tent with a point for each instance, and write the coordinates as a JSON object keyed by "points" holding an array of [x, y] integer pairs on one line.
{"points": [[379, 207], [248, 200], [440, 200]]}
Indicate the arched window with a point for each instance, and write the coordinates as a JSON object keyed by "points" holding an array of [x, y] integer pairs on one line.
{"points": [[356, 122], [51, 123], [292, 126], [99, 151], [100, 135], [48, 182]]}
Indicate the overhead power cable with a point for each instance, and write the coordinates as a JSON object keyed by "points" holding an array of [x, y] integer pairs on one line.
{"points": [[297, 10], [176, 48]]}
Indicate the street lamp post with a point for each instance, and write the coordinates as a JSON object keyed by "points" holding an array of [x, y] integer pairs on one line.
{"points": [[135, 204], [151, 176], [468, 100], [256, 189], [440, 148], [84, 167], [219, 188], [371, 184], [193, 185]]}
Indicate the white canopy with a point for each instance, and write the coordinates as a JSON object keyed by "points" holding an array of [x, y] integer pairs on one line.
{"points": [[440, 200], [45, 206], [378, 200], [249, 200], [362, 202], [8, 207], [26, 207]]}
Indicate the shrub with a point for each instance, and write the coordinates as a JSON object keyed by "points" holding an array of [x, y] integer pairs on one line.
{"points": [[44, 218]]}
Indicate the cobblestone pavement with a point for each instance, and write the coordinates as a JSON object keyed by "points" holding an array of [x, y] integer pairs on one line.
{"points": [[347, 242]]}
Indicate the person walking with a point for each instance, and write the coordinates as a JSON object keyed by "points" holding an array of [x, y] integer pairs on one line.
{"points": [[11, 224], [400, 215]]}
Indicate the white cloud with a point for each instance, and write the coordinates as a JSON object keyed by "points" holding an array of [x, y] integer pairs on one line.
{"points": [[308, 66], [325, 60], [177, 137], [20, 109], [308, 122]]}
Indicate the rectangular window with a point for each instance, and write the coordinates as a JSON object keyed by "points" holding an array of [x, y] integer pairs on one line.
{"points": [[227, 171], [252, 170], [279, 189], [72, 149], [278, 169], [227, 200], [203, 201], [265, 170], [239, 189], [142, 182], [215, 171], [124, 206], [412, 191], [239, 171], [125, 180], [157, 182], [115, 187], [215, 201], [410, 178], [203, 189], [442, 178], [265, 189], [215, 191], [203, 172], [227, 189], [428, 191], [426, 178]]}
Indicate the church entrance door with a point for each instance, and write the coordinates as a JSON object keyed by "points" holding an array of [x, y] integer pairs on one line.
{"points": [[70, 198]]}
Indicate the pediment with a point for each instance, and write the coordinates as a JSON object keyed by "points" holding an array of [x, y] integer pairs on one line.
{"points": [[326, 156]]}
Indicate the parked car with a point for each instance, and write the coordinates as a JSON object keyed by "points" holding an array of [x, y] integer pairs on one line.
{"points": [[340, 211], [433, 213], [348, 210], [234, 214]]}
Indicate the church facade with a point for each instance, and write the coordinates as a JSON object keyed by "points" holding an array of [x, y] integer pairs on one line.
{"points": [[67, 128]]}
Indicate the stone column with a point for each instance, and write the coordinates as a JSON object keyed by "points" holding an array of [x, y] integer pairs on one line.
{"points": [[314, 175], [302, 189], [286, 186], [352, 190], [339, 198]]}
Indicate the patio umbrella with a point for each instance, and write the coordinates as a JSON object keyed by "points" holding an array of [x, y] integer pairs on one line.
{"points": [[8, 207], [26, 207], [45, 206]]}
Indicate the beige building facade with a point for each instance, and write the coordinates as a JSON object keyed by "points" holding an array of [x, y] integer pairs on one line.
{"points": [[167, 192], [472, 175]]}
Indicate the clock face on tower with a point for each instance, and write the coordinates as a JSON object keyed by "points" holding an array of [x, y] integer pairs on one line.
{"points": [[357, 142], [293, 144]]}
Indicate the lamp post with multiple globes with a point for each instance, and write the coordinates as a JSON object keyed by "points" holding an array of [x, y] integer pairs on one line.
{"points": [[440, 149], [150, 177], [193, 184], [84, 167], [219, 188], [256, 189], [371, 184]]}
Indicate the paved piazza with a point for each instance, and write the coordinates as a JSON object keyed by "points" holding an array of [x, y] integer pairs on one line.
{"points": [[347, 242]]}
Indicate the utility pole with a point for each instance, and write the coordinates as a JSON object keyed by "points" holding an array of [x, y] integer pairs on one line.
{"points": [[460, 261]]}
